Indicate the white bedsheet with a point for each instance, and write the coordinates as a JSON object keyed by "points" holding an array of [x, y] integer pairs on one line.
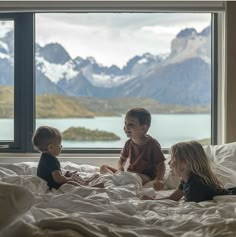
{"points": [[113, 211]]}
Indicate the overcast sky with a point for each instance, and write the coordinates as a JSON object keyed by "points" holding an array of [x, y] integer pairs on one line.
{"points": [[114, 38]]}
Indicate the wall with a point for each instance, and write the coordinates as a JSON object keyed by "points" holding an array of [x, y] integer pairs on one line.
{"points": [[230, 72]]}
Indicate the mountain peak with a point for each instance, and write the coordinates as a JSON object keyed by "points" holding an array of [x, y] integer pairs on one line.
{"points": [[54, 53], [206, 31], [186, 32], [91, 60]]}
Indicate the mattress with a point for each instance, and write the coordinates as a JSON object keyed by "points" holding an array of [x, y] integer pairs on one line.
{"points": [[28, 208]]}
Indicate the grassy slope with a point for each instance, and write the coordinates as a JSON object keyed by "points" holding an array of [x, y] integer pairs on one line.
{"points": [[58, 106], [6, 102], [48, 106], [121, 105]]}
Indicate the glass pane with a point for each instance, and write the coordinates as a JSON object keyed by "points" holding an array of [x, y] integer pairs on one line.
{"points": [[91, 68], [6, 80]]}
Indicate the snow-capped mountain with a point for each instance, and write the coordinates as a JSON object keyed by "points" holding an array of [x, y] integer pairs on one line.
{"points": [[182, 77], [189, 44]]}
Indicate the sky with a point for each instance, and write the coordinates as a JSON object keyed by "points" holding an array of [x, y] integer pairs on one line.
{"points": [[114, 38]]}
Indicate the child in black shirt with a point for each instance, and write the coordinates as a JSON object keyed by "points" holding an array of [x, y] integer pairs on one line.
{"points": [[199, 183], [47, 140]]}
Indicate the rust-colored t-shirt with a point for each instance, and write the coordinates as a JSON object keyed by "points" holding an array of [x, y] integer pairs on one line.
{"points": [[143, 159]]}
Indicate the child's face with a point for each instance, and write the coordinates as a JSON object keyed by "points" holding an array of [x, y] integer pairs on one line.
{"points": [[176, 169], [133, 129], [172, 164], [55, 148]]}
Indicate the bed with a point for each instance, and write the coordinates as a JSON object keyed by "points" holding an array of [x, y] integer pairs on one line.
{"points": [[28, 209]]}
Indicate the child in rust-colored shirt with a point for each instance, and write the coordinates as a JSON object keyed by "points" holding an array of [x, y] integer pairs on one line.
{"points": [[144, 152]]}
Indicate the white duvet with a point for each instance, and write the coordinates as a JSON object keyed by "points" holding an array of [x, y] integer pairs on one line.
{"points": [[28, 209]]}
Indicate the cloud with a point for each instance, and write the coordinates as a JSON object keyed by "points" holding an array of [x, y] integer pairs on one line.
{"points": [[114, 38]]}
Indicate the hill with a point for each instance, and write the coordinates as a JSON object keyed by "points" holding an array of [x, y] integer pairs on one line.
{"points": [[84, 134], [58, 106], [61, 106], [6, 102]]}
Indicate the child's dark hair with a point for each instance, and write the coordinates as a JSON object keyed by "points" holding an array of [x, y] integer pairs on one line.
{"points": [[141, 114], [44, 136]]}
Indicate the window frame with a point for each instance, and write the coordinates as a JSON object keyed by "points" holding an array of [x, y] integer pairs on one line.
{"points": [[24, 63], [23, 71]]}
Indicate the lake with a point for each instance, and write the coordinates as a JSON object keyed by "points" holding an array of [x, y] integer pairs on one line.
{"points": [[166, 128]]}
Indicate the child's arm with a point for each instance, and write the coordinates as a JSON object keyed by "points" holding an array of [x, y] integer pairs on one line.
{"points": [[121, 163], [59, 178], [161, 169], [124, 156], [176, 195]]}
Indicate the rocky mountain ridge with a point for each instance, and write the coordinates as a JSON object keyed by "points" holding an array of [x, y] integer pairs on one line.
{"points": [[183, 77]]}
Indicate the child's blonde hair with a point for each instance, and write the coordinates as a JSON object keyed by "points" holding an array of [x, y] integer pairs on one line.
{"points": [[44, 136], [194, 157]]}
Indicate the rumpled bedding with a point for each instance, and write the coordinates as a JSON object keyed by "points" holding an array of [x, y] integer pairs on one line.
{"points": [[28, 208]]}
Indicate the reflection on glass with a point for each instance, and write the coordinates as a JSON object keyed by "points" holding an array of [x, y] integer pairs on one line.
{"points": [[93, 67], [6, 80]]}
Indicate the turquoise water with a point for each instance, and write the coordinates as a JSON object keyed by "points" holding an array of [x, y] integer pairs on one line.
{"points": [[167, 129]]}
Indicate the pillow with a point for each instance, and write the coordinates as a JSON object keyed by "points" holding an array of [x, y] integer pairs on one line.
{"points": [[225, 175], [14, 201], [224, 162], [223, 154]]}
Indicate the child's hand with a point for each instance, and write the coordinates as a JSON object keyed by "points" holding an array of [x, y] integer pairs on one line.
{"points": [[146, 197], [78, 179], [69, 174], [158, 185]]}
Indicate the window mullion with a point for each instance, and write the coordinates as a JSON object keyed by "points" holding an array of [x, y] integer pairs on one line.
{"points": [[24, 80], [214, 80]]}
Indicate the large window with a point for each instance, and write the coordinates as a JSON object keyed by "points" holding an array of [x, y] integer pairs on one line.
{"points": [[82, 71], [93, 67], [6, 80]]}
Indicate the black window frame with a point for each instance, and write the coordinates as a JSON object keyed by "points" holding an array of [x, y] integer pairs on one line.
{"points": [[24, 71]]}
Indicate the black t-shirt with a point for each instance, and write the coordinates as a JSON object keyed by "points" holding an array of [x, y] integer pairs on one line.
{"points": [[196, 190], [48, 164]]}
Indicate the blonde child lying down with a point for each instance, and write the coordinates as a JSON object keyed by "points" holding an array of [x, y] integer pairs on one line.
{"points": [[198, 182]]}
